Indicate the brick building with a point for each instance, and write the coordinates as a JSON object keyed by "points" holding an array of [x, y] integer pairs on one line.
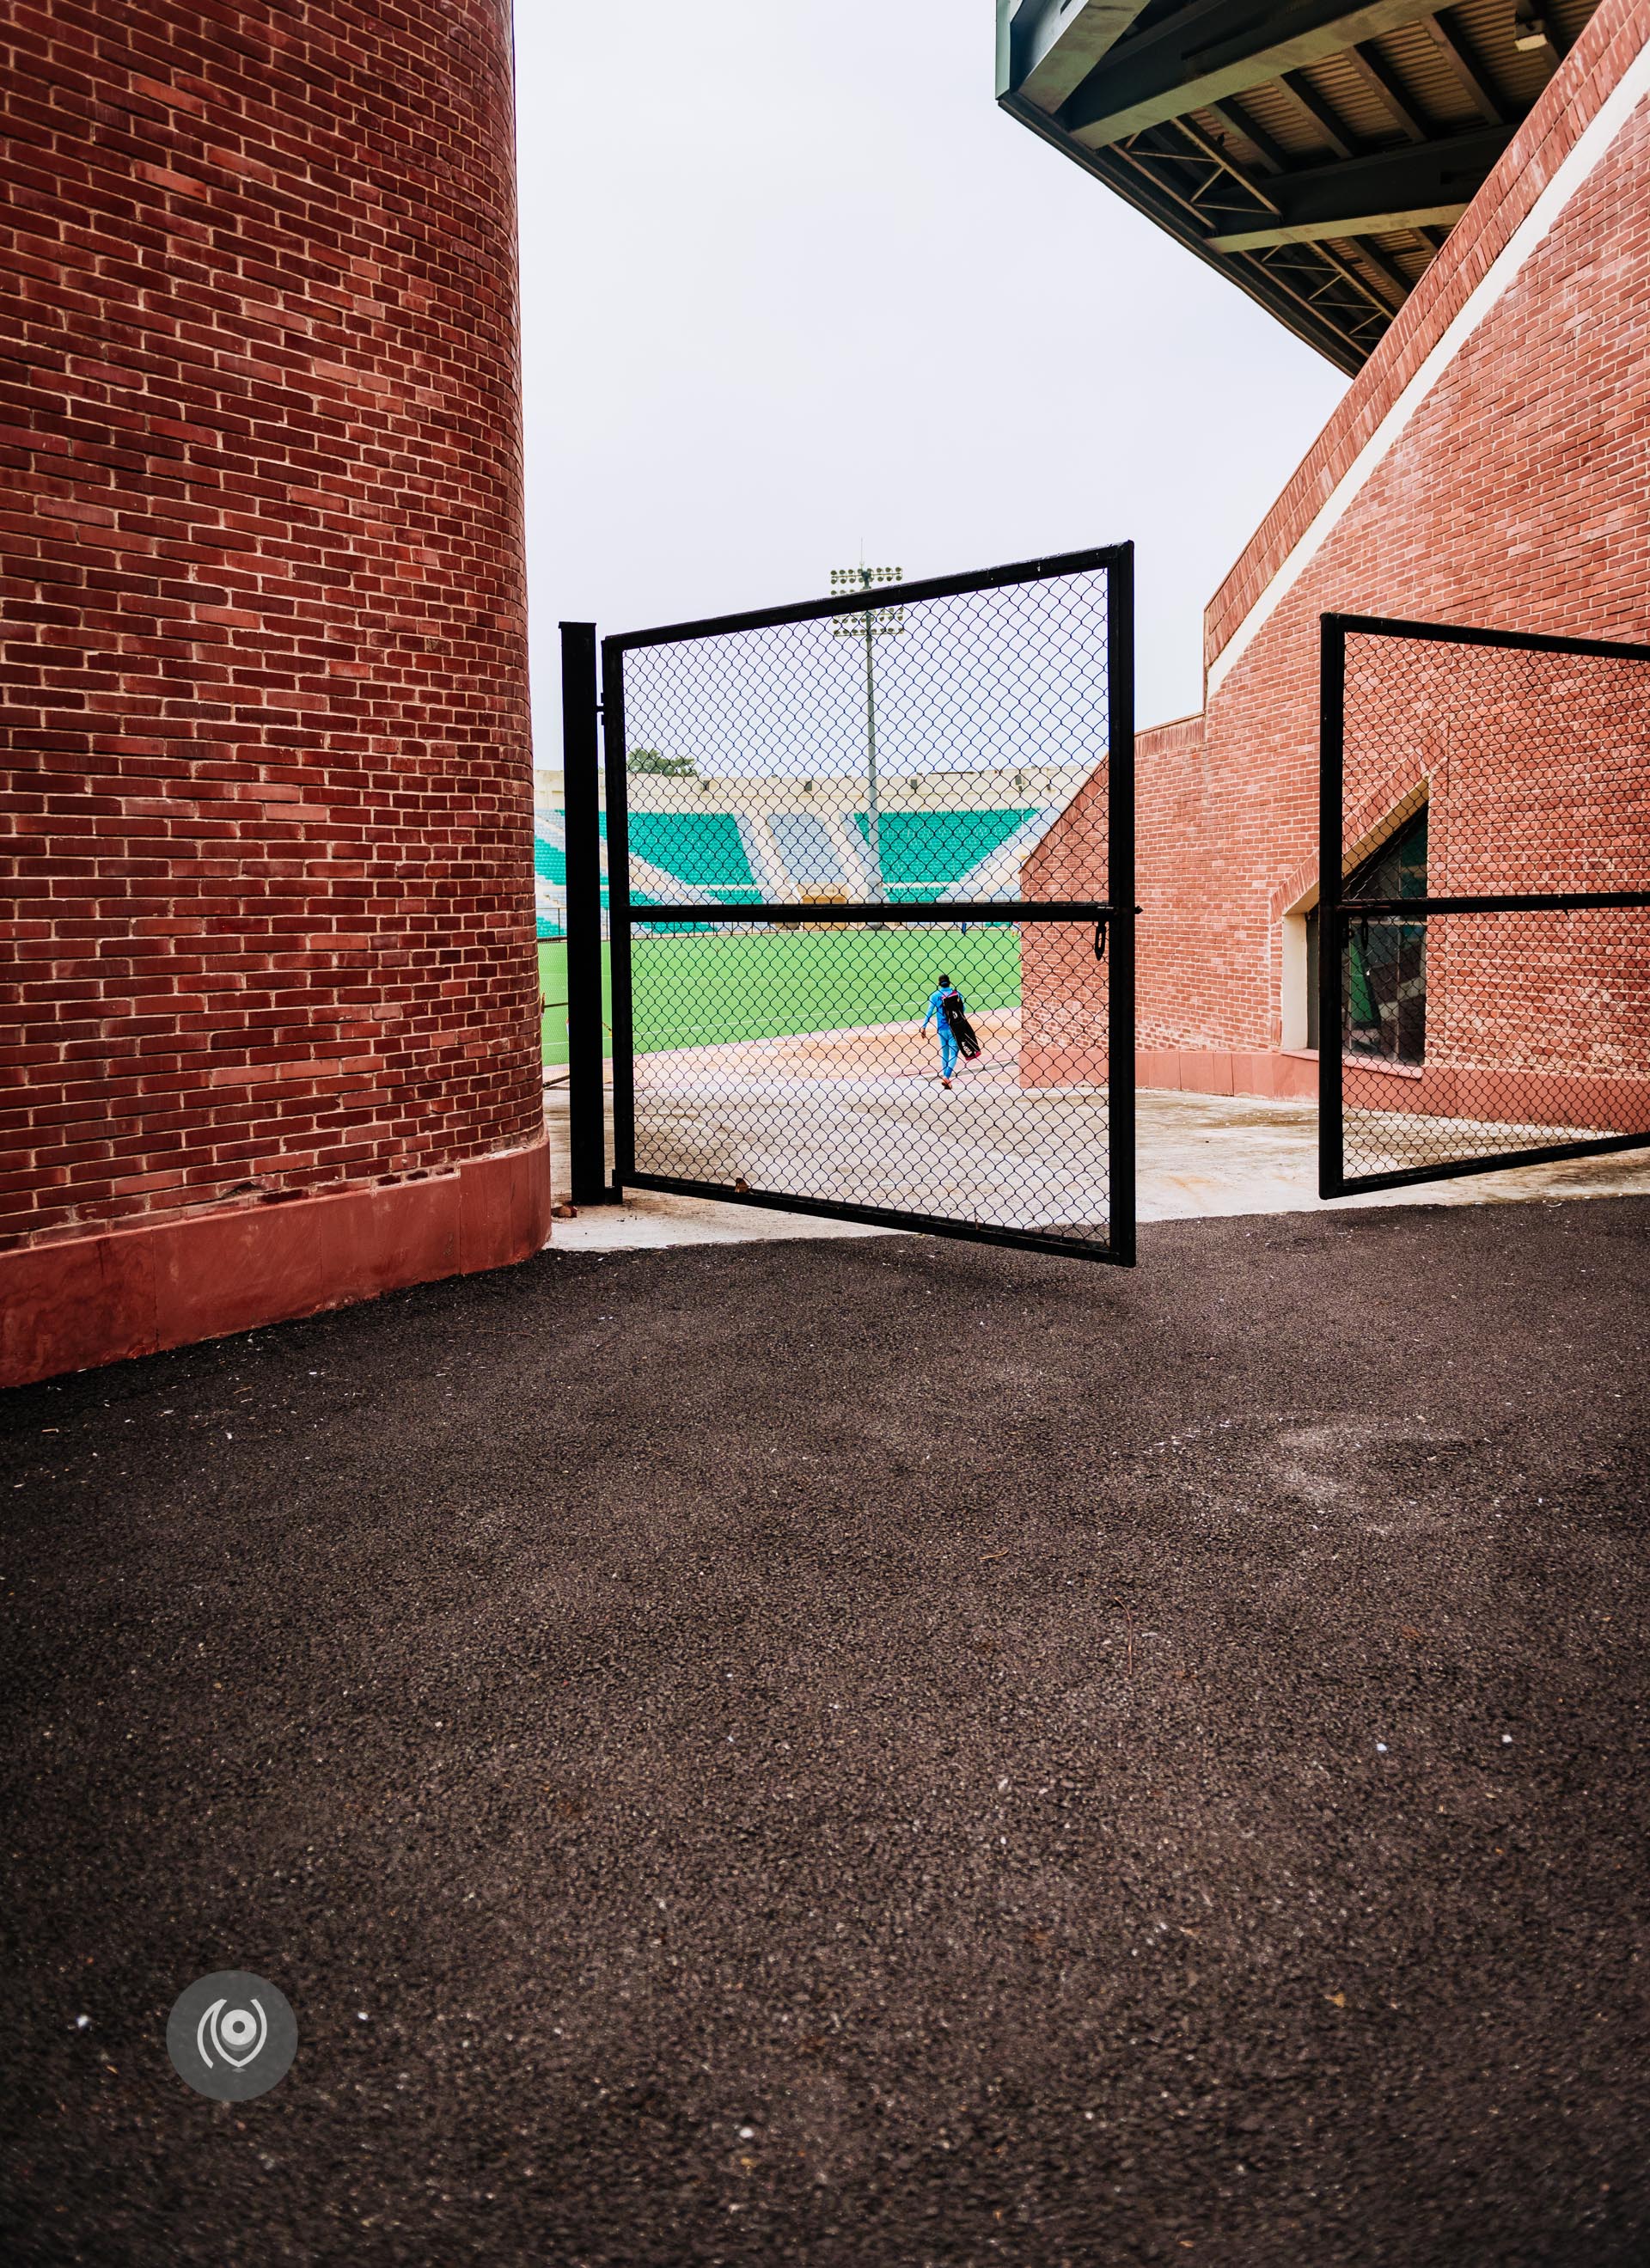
{"points": [[271, 998], [272, 1043], [1490, 465]]}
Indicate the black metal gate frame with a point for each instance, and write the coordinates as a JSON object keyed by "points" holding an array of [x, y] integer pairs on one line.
{"points": [[1335, 917], [1115, 915]]}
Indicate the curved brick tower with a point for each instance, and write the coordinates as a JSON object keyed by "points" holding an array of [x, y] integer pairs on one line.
{"points": [[272, 1038]]}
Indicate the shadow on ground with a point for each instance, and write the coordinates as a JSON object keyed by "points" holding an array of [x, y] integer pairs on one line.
{"points": [[872, 1751]]}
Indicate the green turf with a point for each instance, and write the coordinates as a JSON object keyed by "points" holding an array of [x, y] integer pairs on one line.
{"points": [[697, 990], [553, 986]]}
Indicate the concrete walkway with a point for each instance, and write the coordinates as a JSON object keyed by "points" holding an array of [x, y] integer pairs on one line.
{"points": [[1200, 1157]]}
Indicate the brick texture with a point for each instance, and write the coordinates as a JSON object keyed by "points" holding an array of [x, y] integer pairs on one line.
{"points": [[1609, 44], [1518, 497], [1535, 769], [267, 787]]}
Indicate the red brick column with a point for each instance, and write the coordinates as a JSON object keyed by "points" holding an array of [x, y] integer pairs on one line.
{"points": [[272, 1040]]}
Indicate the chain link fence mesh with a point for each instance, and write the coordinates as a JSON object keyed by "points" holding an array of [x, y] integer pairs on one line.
{"points": [[882, 776], [1486, 771], [868, 1067], [904, 752]]}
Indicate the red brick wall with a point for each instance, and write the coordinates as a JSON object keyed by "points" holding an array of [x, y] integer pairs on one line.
{"points": [[1609, 44], [1063, 990], [1515, 497], [1535, 771], [265, 712]]}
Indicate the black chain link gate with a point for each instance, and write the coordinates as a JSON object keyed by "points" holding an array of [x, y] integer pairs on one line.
{"points": [[1483, 928], [870, 905]]}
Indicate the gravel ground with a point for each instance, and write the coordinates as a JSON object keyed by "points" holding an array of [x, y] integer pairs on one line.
{"points": [[872, 1751]]}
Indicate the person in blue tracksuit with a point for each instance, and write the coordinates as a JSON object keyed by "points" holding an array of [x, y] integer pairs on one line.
{"points": [[938, 1016]]}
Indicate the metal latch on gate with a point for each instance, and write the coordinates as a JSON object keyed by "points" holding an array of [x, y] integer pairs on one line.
{"points": [[1100, 934]]}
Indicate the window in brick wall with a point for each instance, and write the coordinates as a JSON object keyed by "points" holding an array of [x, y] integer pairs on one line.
{"points": [[1385, 983]]}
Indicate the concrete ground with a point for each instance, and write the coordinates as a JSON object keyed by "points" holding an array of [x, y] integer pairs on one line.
{"points": [[1200, 1157], [854, 1751]]}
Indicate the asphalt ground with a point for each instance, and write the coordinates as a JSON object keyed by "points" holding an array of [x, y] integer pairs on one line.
{"points": [[859, 1751]]}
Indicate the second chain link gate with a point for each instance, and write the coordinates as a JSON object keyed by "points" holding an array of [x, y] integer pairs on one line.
{"points": [[857, 969]]}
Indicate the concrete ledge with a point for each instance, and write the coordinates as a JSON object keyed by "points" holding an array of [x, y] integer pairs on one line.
{"points": [[1279, 1076], [1492, 1093], [74, 1302], [1230, 1070]]}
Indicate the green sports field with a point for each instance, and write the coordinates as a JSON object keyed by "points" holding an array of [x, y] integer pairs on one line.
{"points": [[697, 990]]}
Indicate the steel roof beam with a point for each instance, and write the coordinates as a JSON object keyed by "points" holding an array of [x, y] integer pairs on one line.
{"points": [[1046, 51], [1212, 49], [1339, 229], [1371, 67], [1333, 336], [1274, 158], [1306, 97], [1372, 195], [1474, 80], [1375, 258]]}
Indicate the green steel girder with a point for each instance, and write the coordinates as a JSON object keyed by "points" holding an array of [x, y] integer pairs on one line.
{"points": [[1409, 188], [1211, 51]]}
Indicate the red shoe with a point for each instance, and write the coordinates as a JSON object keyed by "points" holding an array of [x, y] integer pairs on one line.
{"points": [[945, 1082]]}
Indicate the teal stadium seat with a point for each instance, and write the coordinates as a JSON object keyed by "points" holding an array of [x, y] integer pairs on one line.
{"points": [[701, 849], [925, 854], [701, 852], [549, 874]]}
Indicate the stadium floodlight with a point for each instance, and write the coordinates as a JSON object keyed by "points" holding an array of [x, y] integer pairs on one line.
{"points": [[869, 623]]}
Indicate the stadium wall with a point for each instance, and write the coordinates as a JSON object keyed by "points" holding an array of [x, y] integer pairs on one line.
{"points": [[273, 1044], [1491, 464]]}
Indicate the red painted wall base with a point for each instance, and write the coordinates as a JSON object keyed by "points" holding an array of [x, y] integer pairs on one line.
{"points": [[73, 1302], [1230, 1070], [1189, 1070]]}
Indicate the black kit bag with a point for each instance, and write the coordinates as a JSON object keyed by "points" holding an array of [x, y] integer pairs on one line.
{"points": [[960, 1026]]}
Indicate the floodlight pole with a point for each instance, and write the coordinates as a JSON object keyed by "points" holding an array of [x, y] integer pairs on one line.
{"points": [[874, 815], [871, 627]]}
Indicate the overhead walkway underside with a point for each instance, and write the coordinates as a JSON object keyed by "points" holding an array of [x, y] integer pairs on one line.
{"points": [[1316, 152]]}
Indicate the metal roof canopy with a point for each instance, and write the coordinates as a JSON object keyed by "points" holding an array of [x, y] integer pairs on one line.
{"points": [[1315, 152]]}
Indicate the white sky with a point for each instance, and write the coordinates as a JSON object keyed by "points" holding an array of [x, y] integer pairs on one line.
{"points": [[792, 284]]}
